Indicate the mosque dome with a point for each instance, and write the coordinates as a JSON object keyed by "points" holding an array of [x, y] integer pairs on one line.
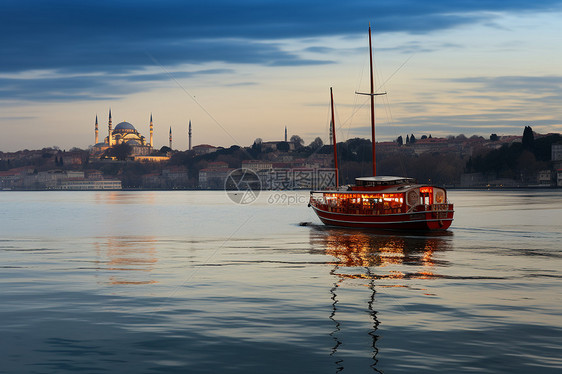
{"points": [[124, 127], [133, 142]]}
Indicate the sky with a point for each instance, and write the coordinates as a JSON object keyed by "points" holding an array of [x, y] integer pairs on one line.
{"points": [[245, 69]]}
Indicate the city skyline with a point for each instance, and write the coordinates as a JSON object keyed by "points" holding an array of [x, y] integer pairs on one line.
{"points": [[246, 70]]}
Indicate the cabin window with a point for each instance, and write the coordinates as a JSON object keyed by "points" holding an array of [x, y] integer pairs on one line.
{"points": [[426, 198]]}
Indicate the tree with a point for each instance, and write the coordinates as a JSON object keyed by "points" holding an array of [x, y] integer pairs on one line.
{"points": [[316, 144], [407, 139], [412, 139], [297, 141], [256, 147], [424, 137], [120, 151], [399, 140], [494, 138], [528, 138]]}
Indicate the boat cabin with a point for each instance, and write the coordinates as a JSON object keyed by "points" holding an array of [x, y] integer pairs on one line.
{"points": [[373, 199]]}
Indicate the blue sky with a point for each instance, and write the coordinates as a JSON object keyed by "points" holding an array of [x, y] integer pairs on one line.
{"points": [[246, 69]]}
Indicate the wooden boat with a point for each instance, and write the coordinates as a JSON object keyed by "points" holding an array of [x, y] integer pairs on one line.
{"points": [[382, 202]]}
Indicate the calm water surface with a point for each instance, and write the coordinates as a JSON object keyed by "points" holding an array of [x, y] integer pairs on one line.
{"points": [[189, 282]]}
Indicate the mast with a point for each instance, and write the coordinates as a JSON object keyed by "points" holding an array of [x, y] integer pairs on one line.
{"points": [[372, 94], [372, 105], [333, 128]]}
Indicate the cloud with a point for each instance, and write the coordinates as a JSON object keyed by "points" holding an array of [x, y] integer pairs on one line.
{"points": [[114, 35], [55, 87], [443, 126], [17, 118], [517, 101], [122, 37], [517, 84]]}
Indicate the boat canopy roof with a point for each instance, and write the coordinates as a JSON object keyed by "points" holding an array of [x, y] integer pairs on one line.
{"points": [[383, 181], [387, 190]]}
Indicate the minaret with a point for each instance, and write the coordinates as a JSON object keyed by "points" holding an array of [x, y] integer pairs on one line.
{"points": [[189, 134], [97, 131], [110, 136], [151, 131], [170, 137], [285, 134]]}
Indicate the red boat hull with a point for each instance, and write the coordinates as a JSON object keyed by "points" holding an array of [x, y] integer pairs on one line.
{"points": [[421, 220]]}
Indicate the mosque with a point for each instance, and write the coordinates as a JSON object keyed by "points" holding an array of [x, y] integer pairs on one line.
{"points": [[125, 132]]}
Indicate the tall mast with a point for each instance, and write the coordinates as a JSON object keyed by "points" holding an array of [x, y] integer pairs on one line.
{"points": [[372, 104], [333, 127], [372, 94]]}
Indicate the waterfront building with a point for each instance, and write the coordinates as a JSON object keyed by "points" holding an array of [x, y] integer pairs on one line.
{"points": [[556, 152], [90, 184], [214, 175], [257, 165]]}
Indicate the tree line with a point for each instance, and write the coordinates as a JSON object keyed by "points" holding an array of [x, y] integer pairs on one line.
{"points": [[516, 161]]}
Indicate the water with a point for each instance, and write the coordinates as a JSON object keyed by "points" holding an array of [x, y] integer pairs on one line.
{"points": [[189, 282]]}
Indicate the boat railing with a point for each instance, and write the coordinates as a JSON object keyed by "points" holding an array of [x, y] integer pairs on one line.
{"points": [[430, 207], [338, 206]]}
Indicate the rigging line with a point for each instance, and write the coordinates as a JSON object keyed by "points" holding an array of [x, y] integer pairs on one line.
{"points": [[390, 118], [318, 149], [355, 97], [401, 155], [329, 121], [193, 98], [397, 70], [340, 127], [349, 121]]}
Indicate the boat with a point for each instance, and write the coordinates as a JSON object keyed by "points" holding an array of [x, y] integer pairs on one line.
{"points": [[381, 202]]}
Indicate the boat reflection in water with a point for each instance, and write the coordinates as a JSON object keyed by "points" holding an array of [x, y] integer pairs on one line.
{"points": [[377, 259], [391, 254]]}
